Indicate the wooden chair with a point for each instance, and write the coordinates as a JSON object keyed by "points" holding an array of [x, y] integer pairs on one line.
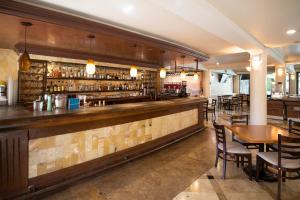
{"points": [[234, 103], [285, 160], [205, 108], [225, 148], [220, 102], [212, 109], [242, 120], [294, 129], [240, 102]]}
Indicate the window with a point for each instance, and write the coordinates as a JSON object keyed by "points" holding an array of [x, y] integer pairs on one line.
{"points": [[298, 83], [245, 84]]}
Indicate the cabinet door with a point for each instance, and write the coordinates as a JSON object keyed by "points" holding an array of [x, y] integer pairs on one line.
{"points": [[13, 162]]}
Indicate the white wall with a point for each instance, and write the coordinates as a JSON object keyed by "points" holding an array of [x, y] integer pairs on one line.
{"points": [[193, 86], [218, 88]]}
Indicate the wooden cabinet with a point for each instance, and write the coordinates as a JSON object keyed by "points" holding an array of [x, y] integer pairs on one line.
{"points": [[13, 163]]}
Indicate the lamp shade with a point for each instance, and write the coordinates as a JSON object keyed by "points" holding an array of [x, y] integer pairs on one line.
{"points": [[24, 62], [162, 73], [133, 71], [90, 67], [182, 75], [196, 76]]}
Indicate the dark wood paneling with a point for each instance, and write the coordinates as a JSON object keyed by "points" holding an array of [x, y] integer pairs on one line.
{"points": [[289, 106], [70, 32], [13, 163], [275, 108], [69, 175]]}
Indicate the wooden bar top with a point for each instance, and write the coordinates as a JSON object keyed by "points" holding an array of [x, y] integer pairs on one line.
{"points": [[12, 117]]}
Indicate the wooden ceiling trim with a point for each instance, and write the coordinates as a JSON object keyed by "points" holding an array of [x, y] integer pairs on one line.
{"points": [[67, 53], [49, 16]]}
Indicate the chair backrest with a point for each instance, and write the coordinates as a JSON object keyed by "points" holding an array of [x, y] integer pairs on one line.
{"points": [[205, 104], [235, 100], [294, 127], [220, 135], [288, 148], [213, 102], [239, 119]]}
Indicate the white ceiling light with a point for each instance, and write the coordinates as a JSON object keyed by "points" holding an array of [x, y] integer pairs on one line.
{"points": [[128, 8], [218, 63], [291, 32]]}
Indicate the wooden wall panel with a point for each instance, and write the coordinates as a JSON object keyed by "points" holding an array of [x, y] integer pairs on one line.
{"points": [[13, 163]]}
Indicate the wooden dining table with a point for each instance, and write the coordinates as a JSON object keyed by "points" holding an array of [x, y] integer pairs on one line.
{"points": [[258, 134], [262, 135]]}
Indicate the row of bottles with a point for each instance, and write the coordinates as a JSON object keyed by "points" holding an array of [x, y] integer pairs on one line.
{"points": [[70, 86], [101, 73]]}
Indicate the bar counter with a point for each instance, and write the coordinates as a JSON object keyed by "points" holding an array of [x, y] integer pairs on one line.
{"points": [[44, 151], [283, 107]]}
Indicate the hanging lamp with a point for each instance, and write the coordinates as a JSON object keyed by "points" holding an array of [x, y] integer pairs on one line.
{"points": [[90, 65], [182, 73], [196, 76], [162, 72], [133, 68], [24, 60]]}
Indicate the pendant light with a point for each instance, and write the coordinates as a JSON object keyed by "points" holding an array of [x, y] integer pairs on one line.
{"points": [[24, 60], [196, 76], [133, 68], [162, 72], [133, 71], [182, 73], [90, 65]]}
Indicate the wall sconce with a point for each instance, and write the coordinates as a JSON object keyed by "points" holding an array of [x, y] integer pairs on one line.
{"points": [[293, 77], [256, 61], [279, 72], [248, 68]]}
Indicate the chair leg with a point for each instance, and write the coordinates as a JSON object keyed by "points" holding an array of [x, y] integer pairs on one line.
{"points": [[206, 115], [279, 185], [242, 161], [250, 167], [217, 158], [224, 166], [283, 176], [258, 166], [237, 161]]}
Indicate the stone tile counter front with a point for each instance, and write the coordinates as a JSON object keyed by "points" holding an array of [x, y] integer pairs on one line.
{"points": [[41, 152], [49, 154]]}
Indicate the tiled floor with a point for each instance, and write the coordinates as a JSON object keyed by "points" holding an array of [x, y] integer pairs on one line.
{"points": [[183, 171]]}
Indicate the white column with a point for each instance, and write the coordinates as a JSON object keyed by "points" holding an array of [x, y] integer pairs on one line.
{"points": [[258, 94], [206, 83]]}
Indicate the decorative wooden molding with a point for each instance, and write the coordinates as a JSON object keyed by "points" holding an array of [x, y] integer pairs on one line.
{"points": [[49, 16], [68, 53]]}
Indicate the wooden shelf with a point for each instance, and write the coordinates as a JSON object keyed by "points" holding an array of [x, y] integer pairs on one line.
{"points": [[94, 91], [92, 79]]}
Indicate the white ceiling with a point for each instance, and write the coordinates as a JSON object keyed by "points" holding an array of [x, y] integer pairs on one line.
{"points": [[215, 27]]}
